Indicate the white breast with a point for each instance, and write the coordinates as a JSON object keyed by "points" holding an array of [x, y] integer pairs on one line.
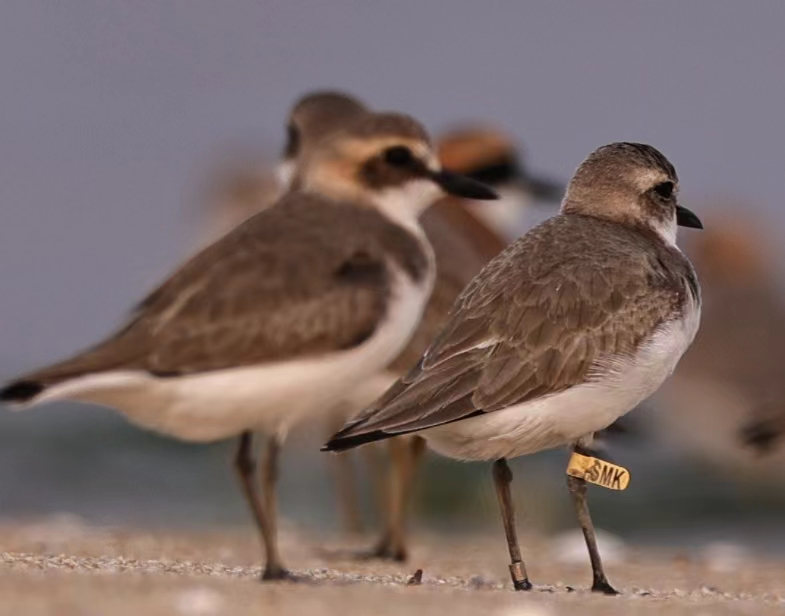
{"points": [[563, 418]]}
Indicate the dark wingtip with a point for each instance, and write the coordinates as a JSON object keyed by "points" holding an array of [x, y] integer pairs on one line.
{"points": [[340, 442], [20, 391], [760, 435]]}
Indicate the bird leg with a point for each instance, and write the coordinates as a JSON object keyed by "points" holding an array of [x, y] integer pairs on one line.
{"points": [[502, 478], [405, 456], [264, 512], [378, 477], [577, 488], [346, 487]]}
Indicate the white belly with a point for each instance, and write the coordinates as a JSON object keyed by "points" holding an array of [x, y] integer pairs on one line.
{"points": [[563, 418], [268, 397]]}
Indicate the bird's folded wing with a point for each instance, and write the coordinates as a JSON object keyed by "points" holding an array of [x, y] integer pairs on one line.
{"points": [[294, 281], [524, 330]]}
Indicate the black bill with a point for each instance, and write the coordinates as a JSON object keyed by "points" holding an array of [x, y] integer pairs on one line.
{"points": [[508, 171], [462, 186], [687, 218]]}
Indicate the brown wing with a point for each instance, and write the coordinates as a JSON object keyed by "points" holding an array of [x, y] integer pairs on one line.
{"points": [[541, 317], [303, 278], [462, 245]]}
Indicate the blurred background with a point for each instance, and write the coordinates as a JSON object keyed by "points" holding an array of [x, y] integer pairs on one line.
{"points": [[120, 119]]}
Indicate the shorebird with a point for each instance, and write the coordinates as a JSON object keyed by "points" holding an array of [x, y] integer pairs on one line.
{"points": [[491, 156], [463, 237], [277, 319], [565, 331], [312, 118], [241, 186], [246, 185]]}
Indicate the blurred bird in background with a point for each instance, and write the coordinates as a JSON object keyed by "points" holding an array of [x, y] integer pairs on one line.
{"points": [[464, 237], [240, 186], [272, 323], [724, 406]]}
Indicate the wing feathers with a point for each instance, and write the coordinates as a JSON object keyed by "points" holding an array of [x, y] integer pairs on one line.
{"points": [[549, 313]]}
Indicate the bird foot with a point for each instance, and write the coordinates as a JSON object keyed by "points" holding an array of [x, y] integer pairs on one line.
{"points": [[603, 587], [523, 584], [278, 574]]}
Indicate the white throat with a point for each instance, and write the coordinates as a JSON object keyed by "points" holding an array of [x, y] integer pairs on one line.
{"points": [[403, 205], [505, 215], [284, 173], [667, 230]]}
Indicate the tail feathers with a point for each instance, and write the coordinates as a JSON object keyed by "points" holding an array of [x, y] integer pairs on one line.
{"points": [[340, 443], [354, 436], [21, 391], [28, 387], [109, 355]]}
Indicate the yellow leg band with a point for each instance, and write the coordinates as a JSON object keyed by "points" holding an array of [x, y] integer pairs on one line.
{"points": [[598, 472]]}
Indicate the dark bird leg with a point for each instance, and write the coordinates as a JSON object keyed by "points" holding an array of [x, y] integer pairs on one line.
{"points": [[405, 457], [378, 476], [502, 478], [346, 487], [577, 489], [263, 511]]}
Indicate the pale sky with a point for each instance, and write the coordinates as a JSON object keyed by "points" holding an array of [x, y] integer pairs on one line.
{"points": [[111, 109]]}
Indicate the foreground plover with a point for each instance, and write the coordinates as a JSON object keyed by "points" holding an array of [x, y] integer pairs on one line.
{"points": [[464, 238], [565, 331], [281, 316]]}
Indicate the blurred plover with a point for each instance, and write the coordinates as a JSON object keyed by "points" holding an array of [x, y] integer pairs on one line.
{"points": [[285, 313], [491, 156], [463, 237], [241, 186], [566, 330]]}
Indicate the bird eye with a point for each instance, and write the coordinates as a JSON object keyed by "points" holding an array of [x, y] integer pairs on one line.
{"points": [[664, 189], [292, 148], [398, 156]]}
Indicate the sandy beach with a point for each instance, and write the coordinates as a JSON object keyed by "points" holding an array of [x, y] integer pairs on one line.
{"points": [[61, 567]]}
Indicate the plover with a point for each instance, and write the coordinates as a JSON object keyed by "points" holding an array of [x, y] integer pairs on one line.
{"points": [[278, 318], [492, 156], [464, 238], [565, 331], [245, 185], [241, 186], [312, 118]]}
